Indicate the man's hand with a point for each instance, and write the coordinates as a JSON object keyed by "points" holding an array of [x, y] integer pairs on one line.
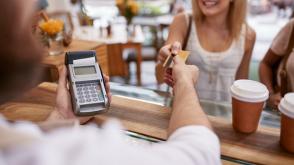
{"points": [[181, 73], [63, 108]]}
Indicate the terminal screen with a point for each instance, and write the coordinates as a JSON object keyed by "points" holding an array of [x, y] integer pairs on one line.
{"points": [[84, 70]]}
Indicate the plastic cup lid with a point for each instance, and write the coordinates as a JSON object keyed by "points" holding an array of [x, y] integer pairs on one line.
{"points": [[249, 91], [286, 105]]}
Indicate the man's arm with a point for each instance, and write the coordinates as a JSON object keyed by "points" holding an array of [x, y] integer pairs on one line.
{"points": [[186, 108]]}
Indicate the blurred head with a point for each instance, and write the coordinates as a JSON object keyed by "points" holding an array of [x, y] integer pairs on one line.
{"points": [[235, 9], [20, 55]]}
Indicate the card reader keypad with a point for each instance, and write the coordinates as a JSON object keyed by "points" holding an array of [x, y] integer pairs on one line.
{"points": [[89, 92]]}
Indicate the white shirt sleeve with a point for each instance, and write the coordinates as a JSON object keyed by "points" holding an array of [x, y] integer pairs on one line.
{"points": [[90, 145]]}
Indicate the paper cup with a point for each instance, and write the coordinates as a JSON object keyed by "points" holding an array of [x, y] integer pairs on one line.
{"points": [[248, 99], [286, 106]]}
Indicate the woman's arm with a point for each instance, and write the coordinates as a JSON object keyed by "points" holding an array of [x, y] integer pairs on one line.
{"points": [[242, 72], [272, 57], [266, 77], [176, 36]]}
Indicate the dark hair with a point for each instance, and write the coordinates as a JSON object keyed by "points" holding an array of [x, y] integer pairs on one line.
{"points": [[20, 55]]}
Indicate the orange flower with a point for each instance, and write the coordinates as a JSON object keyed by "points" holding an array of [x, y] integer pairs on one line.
{"points": [[52, 26], [135, 10], [119, 2], [134, 7], [131, 3]]}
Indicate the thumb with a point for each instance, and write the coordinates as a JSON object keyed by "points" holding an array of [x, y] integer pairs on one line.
{"points": [[177, 60], [176, 47], [63, 77]]}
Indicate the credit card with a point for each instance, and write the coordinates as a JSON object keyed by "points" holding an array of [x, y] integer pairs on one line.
{"points": [[169, 61]]}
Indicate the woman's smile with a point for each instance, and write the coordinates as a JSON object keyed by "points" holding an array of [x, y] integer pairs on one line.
{"points": [[214, 7], [209, 3]]}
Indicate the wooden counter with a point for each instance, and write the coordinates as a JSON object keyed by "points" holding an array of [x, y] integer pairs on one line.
{"points": [[261, 147], [55, 62]]}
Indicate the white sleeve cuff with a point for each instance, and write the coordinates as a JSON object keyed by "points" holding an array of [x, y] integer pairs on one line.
{"points": [[195, 130]]}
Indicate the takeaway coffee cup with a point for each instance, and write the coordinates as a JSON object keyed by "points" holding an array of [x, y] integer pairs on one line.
{"points": [[286, 106], [248, 99]]}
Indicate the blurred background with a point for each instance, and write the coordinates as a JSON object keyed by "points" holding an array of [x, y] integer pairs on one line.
{"points": [[147, 29]]}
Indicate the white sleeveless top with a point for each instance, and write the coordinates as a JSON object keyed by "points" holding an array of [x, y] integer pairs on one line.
{"points": [[224, 72]]}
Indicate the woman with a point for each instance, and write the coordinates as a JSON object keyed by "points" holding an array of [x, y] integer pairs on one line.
{"points": [[220, 44], [275, 57]]}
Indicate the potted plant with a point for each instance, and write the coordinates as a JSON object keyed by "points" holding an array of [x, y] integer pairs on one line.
{"points": [[53, 32], [128, 9]]}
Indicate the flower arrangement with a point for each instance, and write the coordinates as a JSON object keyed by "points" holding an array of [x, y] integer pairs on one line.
{"points": [[128, 9], [51, 35], [52, 26]]}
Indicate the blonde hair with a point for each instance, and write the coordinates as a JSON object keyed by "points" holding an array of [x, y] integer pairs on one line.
{"points": [[235, 19]]}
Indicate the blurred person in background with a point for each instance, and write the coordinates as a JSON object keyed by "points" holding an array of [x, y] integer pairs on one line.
{"points": [[271, 67], [220, 44], [282, 5], [178, 6], [190, 136]]}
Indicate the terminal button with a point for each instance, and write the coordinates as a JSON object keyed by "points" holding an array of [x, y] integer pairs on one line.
{"points": [[94, 95], [98, 91], [87, 92], [81, 101], [91, 88], [88, 100], [85, 88], [87, 96], [80, 97], [97, 87], [79, 89], [95, 99], [80, 93], [93, 91], [100, 96]]}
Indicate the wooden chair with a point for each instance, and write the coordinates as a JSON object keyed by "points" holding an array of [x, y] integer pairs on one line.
{"points": [[132, 54], [116, 63]]}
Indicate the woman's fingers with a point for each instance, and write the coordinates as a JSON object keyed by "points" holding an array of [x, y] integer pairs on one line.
{"points": [[166, 50], [164, 53], [176, 47], [162, 59]]}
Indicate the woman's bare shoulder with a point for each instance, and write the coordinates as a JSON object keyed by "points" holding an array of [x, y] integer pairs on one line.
{"points": [[250, 39], [180, 20], [250, 34], [179, 24]]}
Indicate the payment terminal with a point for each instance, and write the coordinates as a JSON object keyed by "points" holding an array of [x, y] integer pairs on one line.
{"points": [[86, 83]]}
